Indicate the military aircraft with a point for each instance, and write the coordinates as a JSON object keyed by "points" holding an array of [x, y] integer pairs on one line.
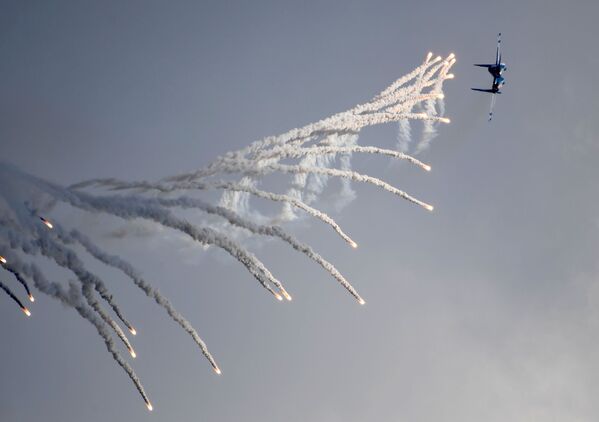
{"points": [[495, 70]]}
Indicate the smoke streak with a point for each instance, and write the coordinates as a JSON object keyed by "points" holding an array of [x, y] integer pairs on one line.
{"points": [[66, 258], [311, 155], [352, 175], [117, 262], [116, 184], [21, 280], [72, 298], [429, 132], [133, 207], [15, 298], [273, 231], [295, 152]]}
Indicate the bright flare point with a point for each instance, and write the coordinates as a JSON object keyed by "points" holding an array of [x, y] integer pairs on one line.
{"points": [[150, 407], [429, 207], [217, 370], [133, 331], [2, 260], [427, 167], [47, 223], [354, 245], [133, 354], [362, 301], [31, 298], [445, 120], [26, 311]]}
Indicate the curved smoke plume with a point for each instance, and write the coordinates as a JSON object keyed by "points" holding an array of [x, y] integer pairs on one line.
{"points": [[311, 155]]}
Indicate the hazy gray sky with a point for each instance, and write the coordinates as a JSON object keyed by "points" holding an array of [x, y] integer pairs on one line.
{"points": [[485, 310]]}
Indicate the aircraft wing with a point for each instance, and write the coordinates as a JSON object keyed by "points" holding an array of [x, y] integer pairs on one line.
{"points": [[483, 90], [498, 53]]}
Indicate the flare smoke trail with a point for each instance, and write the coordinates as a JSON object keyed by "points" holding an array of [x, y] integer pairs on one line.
{"points": [[72, 298], [226, 186], [117, 262], [273, 231], [67, 258], [429, 131], [14, 297], [352, 175], [311, 156], [21, 280], [434, 106]]}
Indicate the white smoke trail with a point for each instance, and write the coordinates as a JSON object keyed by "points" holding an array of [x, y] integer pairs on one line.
{"points": [[318, 152], [72, 298], [370, 113], [284, 152], [144, 186], [67, 258], [88, 294], [352, 175], [393, 104], [429, 131], [127, 269], [404, 132], [134, 207], [275, 231], [237, 200], [404, 135]]}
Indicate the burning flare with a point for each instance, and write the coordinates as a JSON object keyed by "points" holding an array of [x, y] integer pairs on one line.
{"points": [[307, 154], [47, 223]]}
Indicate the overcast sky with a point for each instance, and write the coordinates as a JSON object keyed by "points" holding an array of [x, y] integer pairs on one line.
{"points": [[485, 310]]}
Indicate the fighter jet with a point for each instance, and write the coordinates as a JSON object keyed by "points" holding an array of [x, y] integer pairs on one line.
{"points": [[495, 70]]}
